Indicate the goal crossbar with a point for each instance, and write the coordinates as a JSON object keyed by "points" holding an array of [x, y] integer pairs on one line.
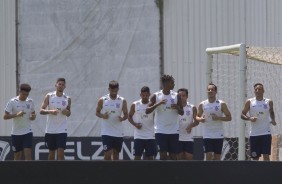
{"points": [[223, 49], [271, 55]]}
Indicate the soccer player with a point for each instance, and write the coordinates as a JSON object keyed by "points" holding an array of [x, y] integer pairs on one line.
{"points": [[261, 115], [57, 107], [110, 109], [167, 104], [144, 133], [21, 110], [186, 122], [212, 112]]}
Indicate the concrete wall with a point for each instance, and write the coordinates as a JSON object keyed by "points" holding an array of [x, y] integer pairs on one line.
{"points": [[87, 42], [128, 172], [8, 63], [191, 26]]}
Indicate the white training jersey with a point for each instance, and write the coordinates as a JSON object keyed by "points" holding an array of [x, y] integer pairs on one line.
{"points": [[260, 109], [112, 126], [185, 120], [57, 123], [212, 129], [166, 117], [21, 125], [147, 120]]}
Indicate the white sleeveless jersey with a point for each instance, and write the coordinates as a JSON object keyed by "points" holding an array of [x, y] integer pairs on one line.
{"points": [[112, 126], [166, 118], [185, 120], [147, 120], [260, 109], [212, 129], [57, 123], [21, 125]]}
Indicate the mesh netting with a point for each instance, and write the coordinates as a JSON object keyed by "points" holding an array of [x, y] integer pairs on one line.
{"points": [[266, 69], [271, 55]]}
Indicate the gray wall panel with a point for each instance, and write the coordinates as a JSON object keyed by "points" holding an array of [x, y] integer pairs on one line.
{"points": [[193, 25], [7, 59]]}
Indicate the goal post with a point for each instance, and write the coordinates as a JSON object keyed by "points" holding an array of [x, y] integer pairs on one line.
{"points": [[233, 49], [235, 69]]}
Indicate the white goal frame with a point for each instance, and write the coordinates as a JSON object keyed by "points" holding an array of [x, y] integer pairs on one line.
{"points": [[241, 48]]}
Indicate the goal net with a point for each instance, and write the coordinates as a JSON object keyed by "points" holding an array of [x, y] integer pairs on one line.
{"points": [[235, 69]]}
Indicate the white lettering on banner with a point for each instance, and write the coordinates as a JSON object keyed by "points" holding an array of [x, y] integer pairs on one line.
{"points": [[39, 150], [79, 154], [96, 156], [71, 151], [75, 150], [4, 149], [129, 152]]}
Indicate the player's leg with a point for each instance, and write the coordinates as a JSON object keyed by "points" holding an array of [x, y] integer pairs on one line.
{"points": [[255, 147], [61, 140], [117, 145], [27, 145], [218, 144], [266, 146], [208, 148], [17, 146], [188, 150], [173, 145], [150, 149], [138, 149], [180, 154], [107, 147], [51, 145], [162, 144]]}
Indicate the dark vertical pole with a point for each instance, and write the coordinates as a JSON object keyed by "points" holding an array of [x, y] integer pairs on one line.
{"points": [[160, 6], [17, 45]]}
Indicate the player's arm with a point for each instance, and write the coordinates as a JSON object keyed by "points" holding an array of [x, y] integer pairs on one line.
{"points": [[44, 105], [271, 112], [180, 110], [32, 114], [195, 122], [227, 115], [200, 112], [130, 115], [7, 115], [99, 109], [153, 105], [245, 110], [67, 110], [124, 110]]}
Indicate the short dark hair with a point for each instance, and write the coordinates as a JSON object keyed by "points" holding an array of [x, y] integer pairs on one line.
{"points": [[166, 78], [183, 89], [25, 87], [61, 79], [212, 84], [258, 84], [145, 89], [113, 84]]}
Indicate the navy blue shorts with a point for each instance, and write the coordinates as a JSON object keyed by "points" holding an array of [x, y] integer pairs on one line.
{"points": [[213, 145], [147, 145], [110, 142], [168, 142], [19, 142], [186, 146], [55, 141], [260, 145]]}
